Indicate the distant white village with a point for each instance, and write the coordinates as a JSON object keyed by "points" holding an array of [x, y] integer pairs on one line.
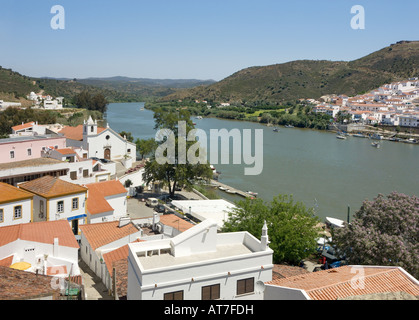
{"points": [[68, 203], [394, 104]]}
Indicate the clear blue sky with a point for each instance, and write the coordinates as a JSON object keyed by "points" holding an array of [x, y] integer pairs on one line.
{"points": [[182, 39]]}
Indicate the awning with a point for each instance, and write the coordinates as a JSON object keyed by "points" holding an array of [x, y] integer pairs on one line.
{"points": [[76, 217]]}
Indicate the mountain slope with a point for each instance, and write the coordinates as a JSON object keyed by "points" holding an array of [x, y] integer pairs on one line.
{"points": [[289, 81]]}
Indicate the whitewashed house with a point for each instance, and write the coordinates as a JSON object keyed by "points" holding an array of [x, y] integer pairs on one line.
{"points": [[56, 199], [106, 201], [200, 264], [100, 238], [15, 205], [48, 248]]}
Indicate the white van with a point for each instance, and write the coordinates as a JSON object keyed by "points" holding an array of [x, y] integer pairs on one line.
{"points": [[152, 202]]}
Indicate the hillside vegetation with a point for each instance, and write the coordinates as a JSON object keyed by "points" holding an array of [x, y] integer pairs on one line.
{"points": [[281, 83]]}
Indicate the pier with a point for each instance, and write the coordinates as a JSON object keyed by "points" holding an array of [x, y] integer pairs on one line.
{"points": [[231, 190]]}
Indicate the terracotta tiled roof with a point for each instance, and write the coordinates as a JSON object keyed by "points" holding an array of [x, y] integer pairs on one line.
{"points": [[21, 285], [6, 262], [282, 271], [66, 151], [174, 221], [99, 234], [337, 283], [121, 269], [115, 255], [96, 201], [76, 133], [44, 232], [23, 126], [9, 193], [50, 187]]}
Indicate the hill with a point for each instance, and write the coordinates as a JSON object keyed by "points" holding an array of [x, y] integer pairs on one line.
{"points": [[279, 83], [14, 86]]}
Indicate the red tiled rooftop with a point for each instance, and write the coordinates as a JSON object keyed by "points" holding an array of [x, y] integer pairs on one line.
{"points": [[76, 133], [9, 193], [51, 187], [336, 283], [44, 232], [96, 201], [99, 234], [174, 221], [23, 126], [21, 285]]}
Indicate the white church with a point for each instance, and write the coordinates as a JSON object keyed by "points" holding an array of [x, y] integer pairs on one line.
{"points": [[102, 143]]}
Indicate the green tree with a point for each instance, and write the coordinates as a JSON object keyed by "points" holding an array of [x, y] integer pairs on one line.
{"points": [[146, 146], [292, 227], [129, 136], [173, 173]]}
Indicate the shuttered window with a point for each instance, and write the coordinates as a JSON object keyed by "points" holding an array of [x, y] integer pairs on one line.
{"points": [[178, 295], [245, 286], [211, 292]]}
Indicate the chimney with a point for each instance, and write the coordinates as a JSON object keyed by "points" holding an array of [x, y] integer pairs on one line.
{"points": [[123, 221], [56, 248], [264, 240], [156, 219]]}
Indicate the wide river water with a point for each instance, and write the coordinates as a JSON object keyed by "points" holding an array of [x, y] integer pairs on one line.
{"points": [[319, 170]]}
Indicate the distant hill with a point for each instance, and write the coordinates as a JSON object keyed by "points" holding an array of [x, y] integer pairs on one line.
{"points": [[115, 88], [279, 83]]}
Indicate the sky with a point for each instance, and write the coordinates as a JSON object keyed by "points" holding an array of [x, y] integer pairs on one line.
{"points": [[192, 39]]}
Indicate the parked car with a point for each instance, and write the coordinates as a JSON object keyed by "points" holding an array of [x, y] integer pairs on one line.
{"points": [[152, 202], [160, 208]]}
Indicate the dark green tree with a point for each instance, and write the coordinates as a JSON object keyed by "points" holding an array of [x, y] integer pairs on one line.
{"points": [[292, 228]]}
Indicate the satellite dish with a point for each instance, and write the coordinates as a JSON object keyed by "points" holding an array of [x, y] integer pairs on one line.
{"points": [[260, 286]]}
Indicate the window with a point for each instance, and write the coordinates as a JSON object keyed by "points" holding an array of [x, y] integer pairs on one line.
{"points": [[75, 203], [1, 215], [85, 173], [73, 175], [178, 295], [91, 129], [129, 151], [12, 154], [211, 292], [17, 212], [41, 209], [60, 206], [245, 286], [29, 152]]}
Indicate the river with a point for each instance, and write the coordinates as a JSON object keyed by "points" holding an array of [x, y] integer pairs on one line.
{"points": [[316, 168]]}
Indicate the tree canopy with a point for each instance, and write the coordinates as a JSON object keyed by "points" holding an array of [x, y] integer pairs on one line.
{"points": [[383, 232], [89, 101], [176, 173], [291, 226]]}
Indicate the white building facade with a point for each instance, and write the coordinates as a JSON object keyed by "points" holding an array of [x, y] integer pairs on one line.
{"points": [[200, 264]]}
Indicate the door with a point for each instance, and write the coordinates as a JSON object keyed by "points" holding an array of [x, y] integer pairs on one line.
{"points": [[75, 226], [108, 154]]}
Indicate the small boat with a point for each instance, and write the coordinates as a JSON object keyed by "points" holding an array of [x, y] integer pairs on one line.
{"points": [[142, 109], [199, 117], [342, 137], [377, 136], [411, 140], [252, 193], [375, 144], [222, 188], [289, 126], [230, 191], [359, 135], [333, 222], [276, 130]]}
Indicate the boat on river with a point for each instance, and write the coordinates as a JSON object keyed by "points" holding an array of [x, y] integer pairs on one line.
{"points": [[255, 194], [334, 223], [377, 136], [376, 144], [340, 136], [230, 191], [289, 126], [359, 135], [276, 129]]}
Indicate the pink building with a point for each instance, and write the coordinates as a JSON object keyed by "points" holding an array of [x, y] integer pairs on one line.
{"points": [[28, 147]]}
